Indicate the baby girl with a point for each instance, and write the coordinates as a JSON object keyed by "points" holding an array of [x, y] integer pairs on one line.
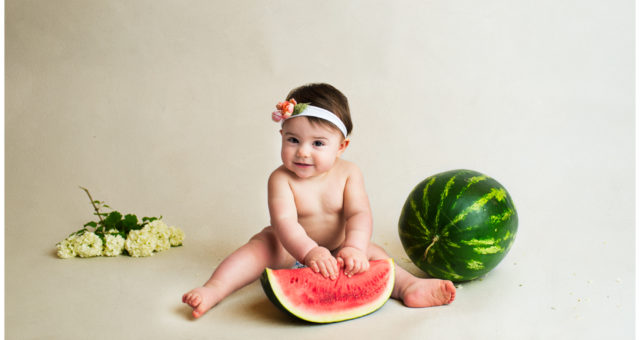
{"points": [[320, 213]]}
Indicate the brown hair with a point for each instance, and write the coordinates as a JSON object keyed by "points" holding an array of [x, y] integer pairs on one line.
{"points": [[327, 97]]}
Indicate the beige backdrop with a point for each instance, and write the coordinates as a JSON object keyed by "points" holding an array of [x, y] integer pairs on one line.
{"points": [[163, 108]]}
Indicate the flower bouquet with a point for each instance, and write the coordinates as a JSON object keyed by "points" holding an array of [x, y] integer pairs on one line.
{"points": [[114, 234]]}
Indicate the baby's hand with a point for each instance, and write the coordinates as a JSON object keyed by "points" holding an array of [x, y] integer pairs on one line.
{"points": [[320, 260], [354, 261]]}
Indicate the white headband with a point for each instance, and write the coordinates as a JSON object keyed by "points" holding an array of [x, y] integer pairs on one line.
{"points": [[314, 111]]}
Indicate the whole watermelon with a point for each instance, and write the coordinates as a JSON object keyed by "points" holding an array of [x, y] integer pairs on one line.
{"points": [[458, 225]]}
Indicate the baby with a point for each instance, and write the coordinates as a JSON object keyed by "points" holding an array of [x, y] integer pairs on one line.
{"points": [[320, 214]]}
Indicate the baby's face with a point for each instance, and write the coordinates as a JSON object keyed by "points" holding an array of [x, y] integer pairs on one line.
{"points": [[309, 150]]}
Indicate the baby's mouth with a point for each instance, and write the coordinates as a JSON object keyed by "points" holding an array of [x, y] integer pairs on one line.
{"points": [[302, 165]]}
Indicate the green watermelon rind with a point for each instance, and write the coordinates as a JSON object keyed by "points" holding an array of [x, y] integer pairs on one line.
{"points": [[275, 295], [469, 225]]}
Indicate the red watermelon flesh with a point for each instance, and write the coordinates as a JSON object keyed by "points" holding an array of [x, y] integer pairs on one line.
{"points": [[310, 296]]}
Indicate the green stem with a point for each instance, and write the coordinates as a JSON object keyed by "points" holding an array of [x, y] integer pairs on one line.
{"points": [[92, 203], [435, 239]]}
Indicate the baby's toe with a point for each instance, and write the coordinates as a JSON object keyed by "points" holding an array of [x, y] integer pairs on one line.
{"points": [[451, 288], [199, 311], [195, 300], [192, 299]]}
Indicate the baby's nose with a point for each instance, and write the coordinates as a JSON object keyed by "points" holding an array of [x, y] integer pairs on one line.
{"points": [[303, 151]]}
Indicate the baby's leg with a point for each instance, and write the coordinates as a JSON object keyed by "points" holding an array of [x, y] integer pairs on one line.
{"points": [[242, 267], [414, 291]]}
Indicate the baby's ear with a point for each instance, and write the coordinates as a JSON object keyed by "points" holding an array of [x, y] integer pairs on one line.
{"points": [[343, 145]]}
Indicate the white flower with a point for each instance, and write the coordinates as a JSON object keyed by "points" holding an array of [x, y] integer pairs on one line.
{"points": [[88, 244], [177, 236], [66, 247], [141, 242], [162, 233], [113, 244]]}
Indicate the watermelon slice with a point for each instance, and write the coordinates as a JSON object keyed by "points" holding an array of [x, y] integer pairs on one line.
{"points": [[309, 296]]}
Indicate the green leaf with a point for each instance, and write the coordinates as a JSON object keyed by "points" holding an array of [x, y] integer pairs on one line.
{"points": [[112, 220], [299, 108], [76, 232], [79, 232], [130, 220], [150, 219], [129, 223], [91, 224]]}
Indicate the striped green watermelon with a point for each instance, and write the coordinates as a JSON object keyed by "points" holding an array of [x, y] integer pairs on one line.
{"points": [[458, 225]]}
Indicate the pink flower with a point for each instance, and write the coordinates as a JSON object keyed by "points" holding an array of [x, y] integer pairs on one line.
{"points": [[285, 109], [277, 116]]}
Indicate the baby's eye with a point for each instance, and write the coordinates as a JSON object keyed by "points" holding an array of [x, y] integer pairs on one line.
{"points": [[292, 140], [318, 143]]}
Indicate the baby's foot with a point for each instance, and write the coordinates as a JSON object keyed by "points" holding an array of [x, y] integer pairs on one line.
{"points": [[201, 300], [429, 293]]}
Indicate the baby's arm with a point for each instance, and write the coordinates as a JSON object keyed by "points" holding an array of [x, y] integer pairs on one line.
{"points": [[284, 220], [359, 225]]}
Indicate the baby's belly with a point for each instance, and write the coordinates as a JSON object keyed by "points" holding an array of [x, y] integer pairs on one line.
{"points": [[328, 233]]}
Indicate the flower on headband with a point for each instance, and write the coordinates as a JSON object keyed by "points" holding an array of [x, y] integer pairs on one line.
{"points": [[287, 109], [284, 110]]}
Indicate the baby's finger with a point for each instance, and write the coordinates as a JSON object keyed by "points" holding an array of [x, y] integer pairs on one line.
{"points": [[366, 266], [323, 269], [357, 267], [340, 262], [332, 268], [350, 266], [314, 266], [334, 262]]}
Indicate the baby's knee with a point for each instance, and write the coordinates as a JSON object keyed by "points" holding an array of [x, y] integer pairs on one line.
{"points": [[375, 252], [265, 235], [263, 240], [269, 239]]}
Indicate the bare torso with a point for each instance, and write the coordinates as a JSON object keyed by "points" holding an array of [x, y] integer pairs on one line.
{"points": [[319, 203]]}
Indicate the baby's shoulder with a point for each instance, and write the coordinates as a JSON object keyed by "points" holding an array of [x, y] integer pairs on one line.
{"points": [[347, 168], [280, 174], [278, 181]]}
